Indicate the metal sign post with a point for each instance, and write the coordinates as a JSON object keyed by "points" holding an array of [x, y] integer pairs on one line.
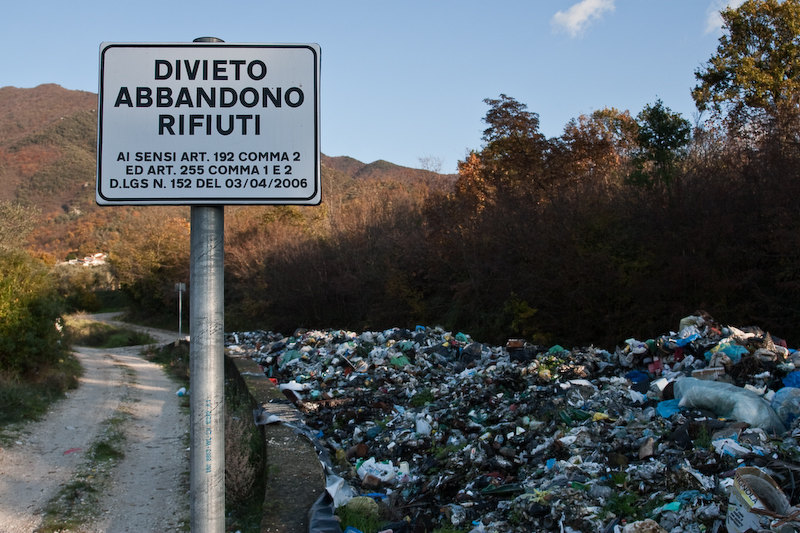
{"points": [[207, 366], [207, 124]]}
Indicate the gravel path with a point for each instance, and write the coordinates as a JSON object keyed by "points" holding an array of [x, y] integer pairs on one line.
{"points": [[147, 489]]}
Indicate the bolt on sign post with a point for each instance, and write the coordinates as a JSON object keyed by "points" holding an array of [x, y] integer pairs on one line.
{"points": [[207, 124]]}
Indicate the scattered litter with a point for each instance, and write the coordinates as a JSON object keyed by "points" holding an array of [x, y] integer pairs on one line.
{"points": [[261, 417], [439, 431]]}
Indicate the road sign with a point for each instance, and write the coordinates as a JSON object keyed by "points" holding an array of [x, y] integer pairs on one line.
{"points": [[208, 124]]}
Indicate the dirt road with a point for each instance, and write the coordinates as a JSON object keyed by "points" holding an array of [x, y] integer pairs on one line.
{"points": [[144, 491]]}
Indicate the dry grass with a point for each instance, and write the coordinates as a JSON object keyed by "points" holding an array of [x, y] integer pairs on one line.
{"points": [[240, 472]]}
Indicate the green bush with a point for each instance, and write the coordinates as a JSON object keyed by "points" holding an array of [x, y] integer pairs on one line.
{"points": [[30, 315]]}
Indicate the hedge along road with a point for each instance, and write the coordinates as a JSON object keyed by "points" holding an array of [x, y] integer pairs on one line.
{"points": [[50, 473]]}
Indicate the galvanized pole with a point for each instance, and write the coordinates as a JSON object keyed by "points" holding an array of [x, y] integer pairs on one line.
{"points": [[206, 352], [207, 468]]}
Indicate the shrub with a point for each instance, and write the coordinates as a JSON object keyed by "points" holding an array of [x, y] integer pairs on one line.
{"points": [[79, 285], [30, 315]]}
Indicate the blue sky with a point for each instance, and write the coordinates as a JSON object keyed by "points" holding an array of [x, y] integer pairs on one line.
{"points": [[403, 81]]}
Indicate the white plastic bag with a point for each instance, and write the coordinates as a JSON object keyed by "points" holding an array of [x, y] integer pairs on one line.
{"points": [[728, 401]]}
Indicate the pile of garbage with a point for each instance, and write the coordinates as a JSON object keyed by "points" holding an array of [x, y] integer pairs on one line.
{"points": [[424, 430]]}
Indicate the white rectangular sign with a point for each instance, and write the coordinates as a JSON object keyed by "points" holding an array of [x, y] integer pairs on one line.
{"points": [[208, 124]]}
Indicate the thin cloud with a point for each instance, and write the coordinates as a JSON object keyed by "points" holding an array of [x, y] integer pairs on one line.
{"points": [[578, 17], [713, 17]]}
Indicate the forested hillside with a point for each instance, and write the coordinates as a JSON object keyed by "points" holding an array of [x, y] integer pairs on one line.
{"points": [[623, 224], [48, 162]]}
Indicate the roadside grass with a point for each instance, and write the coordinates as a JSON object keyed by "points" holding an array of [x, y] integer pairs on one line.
{"points": [[368, 522], [29, 398], [245, 459], [112, 440], [82, 331], [69, 508], [174, 358]]}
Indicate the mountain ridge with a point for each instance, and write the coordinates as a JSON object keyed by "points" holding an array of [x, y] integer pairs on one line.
{"points": [[26, 111], [48, 160]]}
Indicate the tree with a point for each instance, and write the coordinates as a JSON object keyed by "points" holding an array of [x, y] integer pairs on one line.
{"points": [[753, 80], [16, 222], [600, 144], [150, 255], [508, 120], [513, 161], [431, 164], [473, 188], [662, 140]]}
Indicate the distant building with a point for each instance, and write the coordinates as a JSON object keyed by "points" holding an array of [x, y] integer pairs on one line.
{"points": [[96, 259]]}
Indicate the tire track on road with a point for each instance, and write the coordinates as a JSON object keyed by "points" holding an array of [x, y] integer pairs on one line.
{"points": [[47, 453], [146, 490]]}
